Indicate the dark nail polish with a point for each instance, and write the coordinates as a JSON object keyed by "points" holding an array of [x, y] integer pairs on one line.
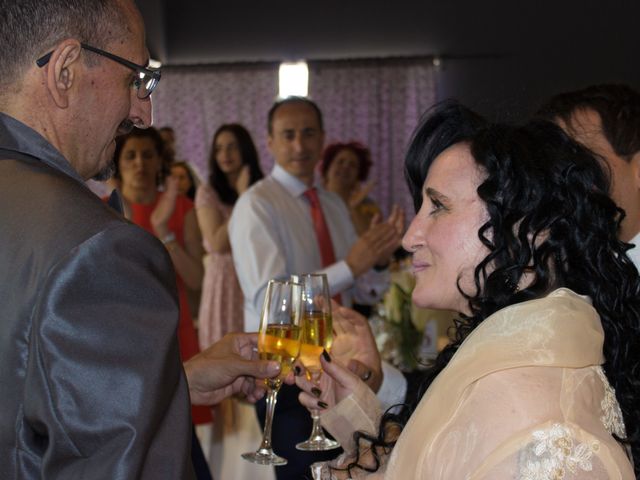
{"points": [[297, 371], [322, 405], [326, 356], [316, 392]]}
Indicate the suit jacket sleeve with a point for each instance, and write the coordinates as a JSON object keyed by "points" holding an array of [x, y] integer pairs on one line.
{"points": [[106, 396]]}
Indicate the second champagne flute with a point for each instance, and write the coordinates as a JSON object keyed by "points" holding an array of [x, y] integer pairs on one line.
{"points": [[279, 340], [317, 335]]}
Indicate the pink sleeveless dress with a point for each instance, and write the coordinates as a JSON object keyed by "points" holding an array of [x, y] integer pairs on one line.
{"points": [[221, 304]]}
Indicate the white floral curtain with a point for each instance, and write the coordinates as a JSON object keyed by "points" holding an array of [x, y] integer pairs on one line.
{"points": [[377, 102], [195, 101]]}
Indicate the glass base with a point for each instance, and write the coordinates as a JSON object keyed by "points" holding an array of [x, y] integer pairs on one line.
{"points": [[318, 444], [264, 457]]}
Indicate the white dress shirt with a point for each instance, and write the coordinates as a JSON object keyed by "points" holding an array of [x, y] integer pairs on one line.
{"points": [[634, 253], [272, 236]]}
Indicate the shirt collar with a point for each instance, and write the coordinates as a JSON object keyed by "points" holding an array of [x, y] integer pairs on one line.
{"points": [[634, 253], [17, 137], [291, 184]]}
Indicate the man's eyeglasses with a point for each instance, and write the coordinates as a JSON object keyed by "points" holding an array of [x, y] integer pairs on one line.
{"points": [[145, 83]]}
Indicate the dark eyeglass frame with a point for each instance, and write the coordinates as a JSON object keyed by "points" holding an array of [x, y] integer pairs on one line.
{"points": [[152, 76]]}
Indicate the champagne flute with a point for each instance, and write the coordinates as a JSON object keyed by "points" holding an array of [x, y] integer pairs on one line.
{"points": [[317, 334], [279, 340]]}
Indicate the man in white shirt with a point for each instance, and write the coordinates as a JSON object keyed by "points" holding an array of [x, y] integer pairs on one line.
{"points": [[272, 235], [606, 119]]}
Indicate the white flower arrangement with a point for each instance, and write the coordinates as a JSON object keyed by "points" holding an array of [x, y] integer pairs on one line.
{"points": [[406, 336]]}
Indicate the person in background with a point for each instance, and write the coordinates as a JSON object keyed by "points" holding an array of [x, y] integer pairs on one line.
{"points": [[606, 120], [91, 379], [186, 179], [167, 215], [233, 167], [170, 217], [168, 136], [187, 184], [344, 168], [287, 224], [514, 230]]}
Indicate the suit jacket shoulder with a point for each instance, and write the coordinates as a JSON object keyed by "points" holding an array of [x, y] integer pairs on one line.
{"points": [[90, 355]]}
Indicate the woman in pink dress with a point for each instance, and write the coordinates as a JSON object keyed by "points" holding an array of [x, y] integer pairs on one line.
{"points": [[234, 166]]}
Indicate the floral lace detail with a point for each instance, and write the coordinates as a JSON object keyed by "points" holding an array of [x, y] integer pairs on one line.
{"points": [[553, 453], [611, 413], [324, 470]]}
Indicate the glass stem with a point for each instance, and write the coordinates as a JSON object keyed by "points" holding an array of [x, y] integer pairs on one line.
{"points": [[316, 431], [271, 407]]}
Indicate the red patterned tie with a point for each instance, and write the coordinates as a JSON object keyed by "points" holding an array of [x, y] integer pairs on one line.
{"points": [[322, 232]]}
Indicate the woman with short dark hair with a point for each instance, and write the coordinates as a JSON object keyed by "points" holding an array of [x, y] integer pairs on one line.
{"points": [[345, 167]]}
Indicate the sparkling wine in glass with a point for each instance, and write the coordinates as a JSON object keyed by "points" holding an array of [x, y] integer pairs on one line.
{"points": [[317, 335], [278, 340]]}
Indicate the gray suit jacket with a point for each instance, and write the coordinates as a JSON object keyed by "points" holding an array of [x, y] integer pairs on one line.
{"points": [[91, 383]]}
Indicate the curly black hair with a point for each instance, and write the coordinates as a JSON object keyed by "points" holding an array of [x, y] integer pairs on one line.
{"points": [[551, 217]]}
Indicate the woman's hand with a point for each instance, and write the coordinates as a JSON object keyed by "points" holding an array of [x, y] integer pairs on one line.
{"points": [[165, 207], [355, 346], [359, 194], [242, 182], [394, 224], [336, 383]]}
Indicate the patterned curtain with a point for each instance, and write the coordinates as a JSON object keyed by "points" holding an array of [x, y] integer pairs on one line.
{"points": [[379, 103], [195, 101]]}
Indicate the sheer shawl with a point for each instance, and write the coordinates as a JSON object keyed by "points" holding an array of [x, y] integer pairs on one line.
{"points": [[523, 398]]}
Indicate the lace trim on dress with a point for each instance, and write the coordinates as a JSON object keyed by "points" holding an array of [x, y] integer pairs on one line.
{"points": [[323, 470], [553, 453], [611, 412]]}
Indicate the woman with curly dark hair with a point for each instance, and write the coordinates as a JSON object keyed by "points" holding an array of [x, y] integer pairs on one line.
{"points": [[515, 231]]}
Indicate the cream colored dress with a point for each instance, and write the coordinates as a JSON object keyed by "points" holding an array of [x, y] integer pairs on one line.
{"points": [[523, 398]]}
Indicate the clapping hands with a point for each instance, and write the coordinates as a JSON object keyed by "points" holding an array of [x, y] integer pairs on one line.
{"points": [[378, 243], [242, 182], [359, 194]]}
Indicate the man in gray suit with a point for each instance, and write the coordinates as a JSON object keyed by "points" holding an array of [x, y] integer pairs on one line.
{"points": [[91, 385]]}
